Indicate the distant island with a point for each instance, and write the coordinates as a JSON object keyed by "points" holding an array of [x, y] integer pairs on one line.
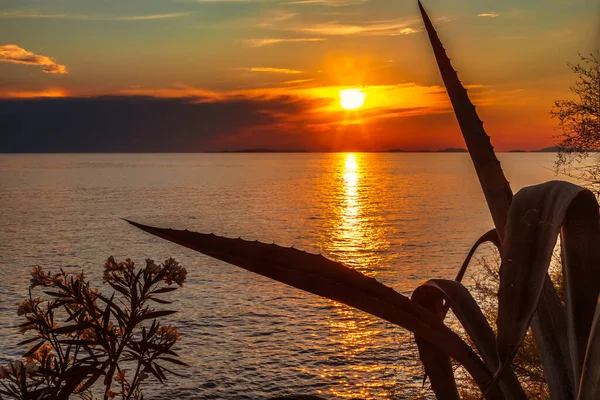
{"points": [[260, 150], [447, 150]]}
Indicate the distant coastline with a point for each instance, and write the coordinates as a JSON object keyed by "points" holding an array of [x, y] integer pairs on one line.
{"points": [[281, 151], [447, 150]]}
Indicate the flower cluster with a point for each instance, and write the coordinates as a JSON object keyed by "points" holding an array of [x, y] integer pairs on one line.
{"points": [[39, 278], [112, 269], [27, 306], [173, 272], [168, 333]]}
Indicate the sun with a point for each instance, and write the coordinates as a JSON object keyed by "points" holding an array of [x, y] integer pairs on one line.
{"points": [[351, 99]]}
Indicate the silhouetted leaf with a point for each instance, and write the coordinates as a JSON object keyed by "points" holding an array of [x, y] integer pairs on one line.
{"points": [[318, 275], [55, 294], [74, 376], [160, 301], [150, 368], [489, 236], [156, 314], [80, 342], [71, 328], [120, 289], [590, 374], [174, 361], [535, 219], [164, 290], [27, 341], [470, 316], [437, 364], [549, 328], [493, 182], [33, 349], [88, 384], [106, 314]]}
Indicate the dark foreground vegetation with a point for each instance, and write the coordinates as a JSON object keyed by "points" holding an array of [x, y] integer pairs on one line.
{"points": [[80, 337]]}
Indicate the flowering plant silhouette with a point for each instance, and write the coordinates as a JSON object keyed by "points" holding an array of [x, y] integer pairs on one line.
{"points": [[82, 336]]}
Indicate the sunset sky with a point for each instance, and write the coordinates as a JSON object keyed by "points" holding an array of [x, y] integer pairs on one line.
{"points": [[195, 75]]}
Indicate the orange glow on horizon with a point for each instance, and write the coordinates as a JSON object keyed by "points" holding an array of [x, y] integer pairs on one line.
{"points": [[398, 116], [26, 94]]}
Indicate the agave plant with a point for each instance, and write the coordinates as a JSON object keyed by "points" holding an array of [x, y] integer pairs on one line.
{"points": [[527, 227]]}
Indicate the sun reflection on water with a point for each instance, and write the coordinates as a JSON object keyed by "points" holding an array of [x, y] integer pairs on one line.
{"points": [[356, 237], [349, 216], [356, 234]]}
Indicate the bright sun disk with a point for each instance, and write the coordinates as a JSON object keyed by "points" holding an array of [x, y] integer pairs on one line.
{"points": [[351, 99]]}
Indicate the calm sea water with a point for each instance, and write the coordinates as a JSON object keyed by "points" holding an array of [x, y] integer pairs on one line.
{"points": [[402, 218]]}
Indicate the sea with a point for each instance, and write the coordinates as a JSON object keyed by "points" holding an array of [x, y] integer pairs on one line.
{"points": [[402, 218]]}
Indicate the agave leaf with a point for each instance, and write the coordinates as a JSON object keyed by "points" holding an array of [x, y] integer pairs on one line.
{"points": [[535, 219], [590, 375], [547, 321], [489, 236], [495, 187], [549, 328], [437, 364], [316, 274], [464, 306], [580, 240]]}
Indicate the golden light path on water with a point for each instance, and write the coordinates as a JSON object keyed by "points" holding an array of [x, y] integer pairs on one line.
{"points": [[356, 240]]}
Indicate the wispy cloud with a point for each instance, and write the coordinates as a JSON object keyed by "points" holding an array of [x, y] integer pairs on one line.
{"points": [[150, 16], [328, 3], [298, 81], [272, 70], [272, 41], [373, 28], [12, 53], [32, 14], [220, 1], [274, 17], [489, 15], [406, 31]]}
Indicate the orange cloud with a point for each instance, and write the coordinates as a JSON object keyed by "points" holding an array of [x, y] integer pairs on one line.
{"points": [[31, 94], [392, 27], [406, 31], [489, 15], [297, 81], [12, 53], [269, 42], [273, 70], [32, 14], [330, 3]]}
